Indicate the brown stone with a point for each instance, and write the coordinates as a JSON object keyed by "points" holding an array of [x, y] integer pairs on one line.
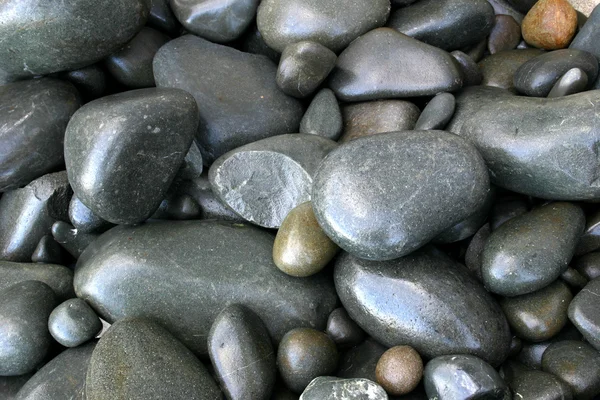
{"points": [[399, 370], [550, 24]]}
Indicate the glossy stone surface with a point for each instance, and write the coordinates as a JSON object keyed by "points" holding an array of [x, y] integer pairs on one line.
{"points": [[437, 113], [48, 251], [588, 36], [475, 250], [332, 388], [369, 194], [342, 330], [529, 252], [71, 239], [550, 24], [124, 274], [161, 17], [588, 265], [584, 312], [90, 81], [323, 116], [387, 64], [498, 70], [361, 361], [573, 81], [505, 35], [147, 133], [399, 370], [73, 322], [505, 209], [424, 300], [471, 73], [230, 115], [58, 277], [532, 385], [84, 219]]}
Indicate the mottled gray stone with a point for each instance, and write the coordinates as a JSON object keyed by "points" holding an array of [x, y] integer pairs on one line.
{"points": [[263, 181], [387, 64], [58, 277], [471, 73], [573, 81], [539, 385], [84, 219], [231, 115], [424, 300], [588, 265], [161, 17], [73, 322], [384, 196], [499, 69], [342, 330], [506, 34], [323, 116], [135, 272], [361, 361], [588, 36], [71, 239], [48, 251], [437, 113], [332, 388], [90, 81], [584, 312], [144, 132]]}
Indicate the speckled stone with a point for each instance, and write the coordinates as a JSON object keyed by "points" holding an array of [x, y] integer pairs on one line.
{"points": [[48, 251], [385, 64], [73, 322], [369, 194], [399, 370], [550, 24], [437, 113], [58, 277], [539, 385], [584, 312], [323, 116], [161, 17], [498, 69], [71, 239], [506, 34], [588, 265], [573, 81], [342, 330], [361, 360], [471, 73], [178, 207], [588, 36], [90, 81], [332, 388], [84, 219]]}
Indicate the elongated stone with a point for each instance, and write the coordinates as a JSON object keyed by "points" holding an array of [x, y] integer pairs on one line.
{"points": [[573, 81], [58, 277], [584, 312], [437, 113]]}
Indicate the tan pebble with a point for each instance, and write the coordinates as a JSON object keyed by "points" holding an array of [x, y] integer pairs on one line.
{"points": [[399, 370]]}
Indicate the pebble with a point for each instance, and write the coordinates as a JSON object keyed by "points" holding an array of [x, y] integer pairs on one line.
{"points": [[584, 312], [193, 164], [161, 17], [178, 207], [387, 64], [588, 265], [343, 330], [471, 73], [263, 181], [498, 70], [323, 116], [505, 209], [48, 251], [590, 240], [531, 353], [332, 388], [588, 36], [477, 51], [399, 370], [550, 24], [574, 279], [506, 34], [361, 360], [90, 81], [58, 277], [73, 323], [534, 385], [10, 385], [475, 251], [437, 113], [71, 239], [573, 81], [507, 7], [84, 219]]}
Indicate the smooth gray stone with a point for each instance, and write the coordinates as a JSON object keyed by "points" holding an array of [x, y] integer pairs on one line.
{"points": [[34, 116], [242, 355], [40, 37], [499, 69], [506, 34], [539, 385], [333, 388], [71, 239], [424, 300], [463, 377], [588, 265], [145, 132], [573, 81], [303, 67], [10, 385], [589, 35], [475, 251], [531, 353], [138, 359], [231, 115], [62, 378], [590, 240], [537, 76], [584, 312], [27, 214], [73, 322], [437, 113], [447, 24], [161, 17], [369, 195], [334, 23], [216, 20], [90, 81], [471, 73], [216, 264], [323, 116], [178, 207], [530, 251], [342, 330], [24, 336], [506, 209], [132, 64], [559, 134], [387, 64], [84, 219], [577, 364], [361, 361], [58, 277], [48, 251], [263, 181]]}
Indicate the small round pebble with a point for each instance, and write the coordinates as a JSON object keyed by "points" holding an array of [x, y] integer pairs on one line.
{"points": [[73, 323], [399, 370], [343, 330], [550, 24]]}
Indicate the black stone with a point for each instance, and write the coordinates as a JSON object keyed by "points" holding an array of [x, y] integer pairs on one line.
{"points": [[437, 113], [73, 323], [588, 265], [84, 219], [332, 388], [573, 81], [505, 209], [588, 36], [10, 385], [539, 385], [48, 251], [574, 279], [58, 277], [499, 69], [90, 81], [253, 42], [71, 239], [361, 361], [342, 330], [584, 312], [323, 116], [475, 251], [161, 17], [590, 240], [178, 207], [471, 73], [523, 5]]}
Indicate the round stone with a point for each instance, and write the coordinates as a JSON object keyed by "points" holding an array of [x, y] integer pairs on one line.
{"points": [[343, 330], [73, 323], [399, 370], [550, 24]]}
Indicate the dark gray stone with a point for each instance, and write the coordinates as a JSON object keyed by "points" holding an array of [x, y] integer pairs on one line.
{"points": [[193, 164], [477, 51], [539, 385], [387, 64], [253, 42], [369, 195], [531, 353], [584, 312], [522, 5], [588, 265], [437, 113], [589, 35], [71, 239], [33, 120], [475, 250], [41, 38], [574, 279], [529, 252], [590, 240], [139, 359], [178, 207], [263, 181], [144, 132], [424, 300], [332, 388], [471, 73], [48, 251], [573, 81], [242, 355], [161, 17], [73, 322], [24, 336], [361, 361], [84, 219], [90, 81], [323, 116], [505, 209], [342, 330], [499, 69], [123, 274], [505, 7], [10, 385], [58, 277], [447, 24], [506, 34], [230, 115]]}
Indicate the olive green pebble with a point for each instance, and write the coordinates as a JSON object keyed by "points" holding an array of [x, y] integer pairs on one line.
{"points": [[399, 370]]}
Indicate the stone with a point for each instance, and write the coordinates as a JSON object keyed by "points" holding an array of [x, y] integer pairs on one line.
{"points": [[58, 277], [573, 81], [471, 73], [27, 214], [537, 76], [361, 360], [215, 20], [499, 69], [147, 133], [342, 330], [71, 239], [303, 355], [386, 64], [529, 252], [210, 205], [161, 17], [477, 51], [523, 5], [323, 116], [437, 113], [399, 370], [61, 378], [301, 247], [90, 81], [585, 7], [516, 344], [550, 24], [368, 195], [531, 353], [577, 364], [447, 24], [48, 251], [424, 300], [463, 377], [230, 115], [237, 340], [373, 117], [124, 274], [505, 209], [303, 67], [531, 385], [84, 219], [253, 42], [475, 250], [588, 265], [506, 7], [39, 38], [588, 36], [32, 127], [334, 24], [540, 315], [193, 164], [574, 279], [332, 388], [10, 385], [263, 181], [590, 240], [132, 64], [178, 207], [139, 359], [506, 34], [73, 323], [584, 312], [24, 336]]}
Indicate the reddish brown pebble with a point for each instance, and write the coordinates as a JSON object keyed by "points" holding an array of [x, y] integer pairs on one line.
{"points": [[550, 24], [399, 370]]}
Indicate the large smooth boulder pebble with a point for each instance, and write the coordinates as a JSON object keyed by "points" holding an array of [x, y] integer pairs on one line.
{"points": [[58, 277], [584, 312], [73, 322], [332, 388]]}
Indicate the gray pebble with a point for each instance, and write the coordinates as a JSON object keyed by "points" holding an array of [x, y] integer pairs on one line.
{"points": [[437, 113], [73, 322], [323, 116]]}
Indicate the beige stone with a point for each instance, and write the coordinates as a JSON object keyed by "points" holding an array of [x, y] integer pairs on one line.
{"points": [[584, 6]]}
